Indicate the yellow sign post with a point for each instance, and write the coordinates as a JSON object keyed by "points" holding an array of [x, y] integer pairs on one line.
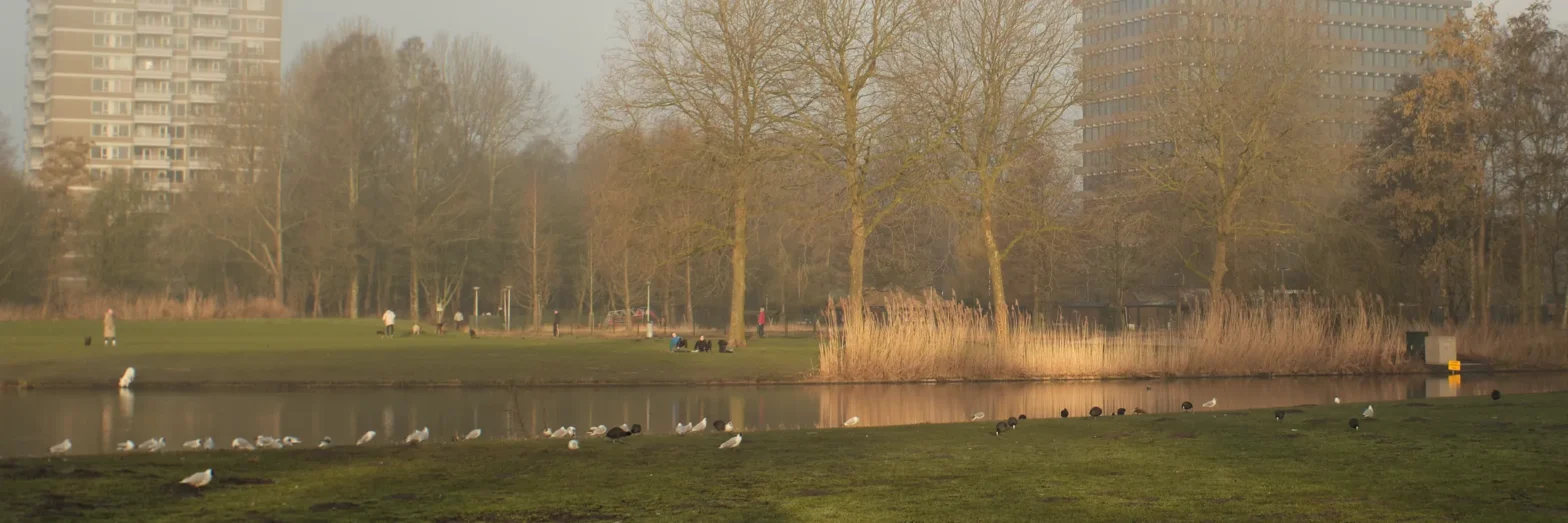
{"points": [[1453, 365]]}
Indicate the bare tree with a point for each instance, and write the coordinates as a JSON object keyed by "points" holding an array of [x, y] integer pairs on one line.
{"points": [[1235, 97], [724, 67], [248, 213], [846, 45], [994, 78]]}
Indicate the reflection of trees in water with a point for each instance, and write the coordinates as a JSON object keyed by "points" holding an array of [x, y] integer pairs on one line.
{"points": [[95, 420]]}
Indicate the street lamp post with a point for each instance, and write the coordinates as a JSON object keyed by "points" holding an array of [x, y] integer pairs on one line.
{"points": [[647, 312], [476, 307]]}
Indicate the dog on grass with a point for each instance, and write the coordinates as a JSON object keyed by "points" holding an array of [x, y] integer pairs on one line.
{"points": [[472, 334], [414, 331]]}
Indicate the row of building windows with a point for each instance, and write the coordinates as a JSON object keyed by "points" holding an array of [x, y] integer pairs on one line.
{"points": [[253, 5], [1116, 129], [1403, 11], [182, 21], [1330, 30], [1368, 59], [1110, 107]]}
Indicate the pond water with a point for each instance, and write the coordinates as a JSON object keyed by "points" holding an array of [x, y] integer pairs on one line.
{"points": [[95, 420]]}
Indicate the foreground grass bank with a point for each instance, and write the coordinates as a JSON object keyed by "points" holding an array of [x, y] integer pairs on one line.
{"points": [[1468, 459], [342, 352]]}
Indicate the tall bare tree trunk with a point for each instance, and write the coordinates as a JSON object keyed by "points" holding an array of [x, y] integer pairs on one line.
{"points": [[857, 254], [413, 229], [353, 205], [277, 234], [626, 285], [691, 321], [993, 258], [315, 292], [592, 317], [1526, 309], [737, 326], [533, 253]]}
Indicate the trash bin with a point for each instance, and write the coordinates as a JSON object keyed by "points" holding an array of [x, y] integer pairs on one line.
{"points": [[1415, 344]]}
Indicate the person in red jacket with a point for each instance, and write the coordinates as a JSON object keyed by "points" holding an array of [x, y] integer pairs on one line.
{"points": [[762, 321]]}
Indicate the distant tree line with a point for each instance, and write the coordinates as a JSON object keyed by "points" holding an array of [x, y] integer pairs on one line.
{"points": [[749, 153]]}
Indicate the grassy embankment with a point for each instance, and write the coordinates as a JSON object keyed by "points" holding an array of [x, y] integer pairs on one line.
{"points": [[1467, 459], [342, 352]]}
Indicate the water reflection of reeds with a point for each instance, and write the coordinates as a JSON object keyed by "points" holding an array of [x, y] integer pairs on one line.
{"points": [[95, 420]]}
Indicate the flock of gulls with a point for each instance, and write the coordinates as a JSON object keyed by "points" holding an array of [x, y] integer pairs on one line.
{"points": [[614, 434]]}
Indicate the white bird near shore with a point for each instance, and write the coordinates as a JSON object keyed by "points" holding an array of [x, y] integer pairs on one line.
{"points": [[128, 377], [699, 427], [289, 441], [207, 445], [369, 435], [199, 479], [1336, 400], [681, 429], [61, 448], [473, 434], [977, 416], [241, 444], [125, 446], [1211, 403], [729, 427], [559, 433], [145, 445], [264, 441], [418, 436], [852, 421], [157, 446], [275, 444], [193, 444], [731, 443], [325, 442], [572, 444], [1367, 413], [598, 431]]}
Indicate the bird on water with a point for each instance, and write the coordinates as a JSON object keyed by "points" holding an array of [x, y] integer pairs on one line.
{"points": [[1064, 413]]}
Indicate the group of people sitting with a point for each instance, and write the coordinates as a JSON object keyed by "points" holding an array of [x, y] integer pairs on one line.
{"points": [[678, 344]]}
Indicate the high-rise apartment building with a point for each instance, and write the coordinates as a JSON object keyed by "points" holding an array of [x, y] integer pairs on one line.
{"points": [[1382, 41], [140, 79]]}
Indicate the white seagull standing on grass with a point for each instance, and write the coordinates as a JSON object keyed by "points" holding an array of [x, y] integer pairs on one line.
{"points": [[1367, 413], [325, 442], [193, 444], [418, 436], [148, 445], [125, 446], [473, 434], [560, 433], [157, 446], [598, 431], [128, 377], [572, 444], [289, 441], [852, 421], [241, 444], [1336, 400], [681, 429], [1211, 403], [207, 445], [199, 479], [700, 426], [61, 448], [366, 438], [730, 443]]}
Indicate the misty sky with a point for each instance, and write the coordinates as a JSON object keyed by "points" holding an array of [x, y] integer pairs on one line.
{"points": [[561, 39]]}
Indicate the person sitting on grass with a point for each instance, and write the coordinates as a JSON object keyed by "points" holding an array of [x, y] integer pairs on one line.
{"points": [[676, 341], [703, 345]]}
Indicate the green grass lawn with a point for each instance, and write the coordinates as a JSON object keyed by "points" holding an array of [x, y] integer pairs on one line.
{"points": [[349, 353], [1467, 459]]}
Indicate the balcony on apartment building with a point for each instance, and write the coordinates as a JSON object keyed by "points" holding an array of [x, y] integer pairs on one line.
{"points": [[36, 140], [218, 52], [210, 7], [151, 140], [40, 31], [155, 6], [153, 95], [151, 27], [40, 54], [39, 8], [210, 30], [150, 162], [147, 50], [37, 118], [38, 98], [150, 117], [153, 73], [208, 75]]}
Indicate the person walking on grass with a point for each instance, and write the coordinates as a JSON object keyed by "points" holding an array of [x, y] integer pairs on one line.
{"points": [[762, 321], [389, 318], [555, 325], [109, 339]]}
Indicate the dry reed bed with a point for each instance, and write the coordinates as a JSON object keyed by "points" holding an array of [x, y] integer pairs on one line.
{"points": [[932, 338]]}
